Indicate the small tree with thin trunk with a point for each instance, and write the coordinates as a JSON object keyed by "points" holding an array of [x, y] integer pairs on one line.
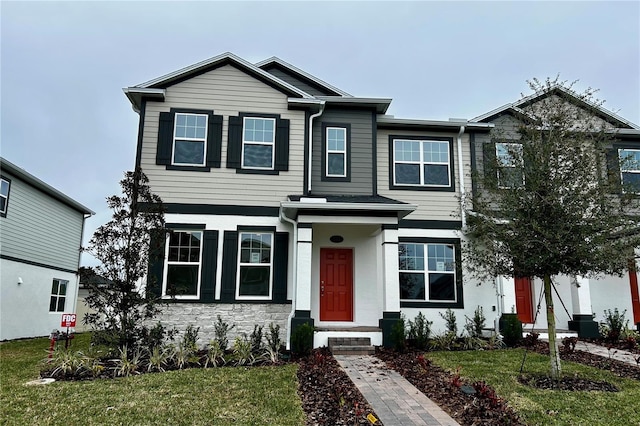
{"points": [[546, 204], [120, 303]]}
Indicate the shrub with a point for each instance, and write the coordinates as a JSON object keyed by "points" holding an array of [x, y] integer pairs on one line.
{"points": [[531, 339], [420, 331], [569, 344], [221, 330], [190, 338], [511, 330], [473, 326], [302, 339], [256, 339], [215, 355], [156, 335], [443, 342], [615, 323], [242, 351], [398, 335], [128, 364], [451, 322], [273, 338]]}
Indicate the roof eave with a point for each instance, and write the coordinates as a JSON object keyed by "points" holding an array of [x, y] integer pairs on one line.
{"points": [[401, 210], [136, 94], [403, 123]]}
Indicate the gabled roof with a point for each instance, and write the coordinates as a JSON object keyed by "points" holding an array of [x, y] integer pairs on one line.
{"points": [[302, 75], [155, 88], [516, 107], [46, 188]]}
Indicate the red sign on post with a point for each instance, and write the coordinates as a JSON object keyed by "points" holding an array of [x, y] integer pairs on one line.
{"points": [[68, 320]]}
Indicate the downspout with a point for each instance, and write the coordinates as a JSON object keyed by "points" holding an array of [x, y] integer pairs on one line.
{"points": [[463, 192], [85, 216], [318, 114], [295, 274]]}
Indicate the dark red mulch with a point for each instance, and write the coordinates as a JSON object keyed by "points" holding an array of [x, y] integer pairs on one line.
{"points": [[619, 368], [484, 407], [567, 383], [328, 396]]}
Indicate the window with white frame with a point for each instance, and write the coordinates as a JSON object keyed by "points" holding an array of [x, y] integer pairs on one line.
{"points": [[509, 165], [427, 272], [421, 163], [630, 169], [258, 143], [4, 195], [183, 263], [58, 295], [255, 269], [336, 155], [189, 139]]}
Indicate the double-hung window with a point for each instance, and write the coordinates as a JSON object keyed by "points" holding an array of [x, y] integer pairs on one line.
{"points": [[4, 196], [427, 272], [630, 169], [190, 139], [58, 295], [258, 143], [422, 163], [509, 165], [336, 152], [184, 260], [255, 266]]}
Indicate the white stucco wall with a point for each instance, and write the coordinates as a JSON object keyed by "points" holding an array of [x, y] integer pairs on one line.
{"points": [[611, 292], [24, 308]]}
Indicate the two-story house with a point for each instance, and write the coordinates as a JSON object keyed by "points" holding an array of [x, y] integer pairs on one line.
{"points": [[580, 302], [40, 245], [292, 201]]}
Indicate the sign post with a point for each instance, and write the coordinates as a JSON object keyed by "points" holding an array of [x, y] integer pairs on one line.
{"points": [[68, 320]]}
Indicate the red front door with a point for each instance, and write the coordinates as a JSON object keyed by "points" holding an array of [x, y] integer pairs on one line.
{"points": [[336, 284], [635, 296], [524, 299]]}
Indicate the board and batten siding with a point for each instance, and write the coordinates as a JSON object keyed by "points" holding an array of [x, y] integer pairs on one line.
{"points": [[39, 228], [432, 205], [227, 91], [361, 153], [294, 81]]}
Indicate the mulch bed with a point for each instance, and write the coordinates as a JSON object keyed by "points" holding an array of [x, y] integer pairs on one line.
{"points": [[483, 407], [328, 396], [566, 383]]}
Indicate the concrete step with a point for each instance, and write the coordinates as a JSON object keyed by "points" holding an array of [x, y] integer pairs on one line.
{"points": [[352, 350]]}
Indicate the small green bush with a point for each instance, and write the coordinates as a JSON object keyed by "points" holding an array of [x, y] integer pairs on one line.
{"points": [[474, 326], [398, 335], [302, 339], [511, 330], [256, 339], [420, 331], [221, 330], [615, 323], [451, 322]]}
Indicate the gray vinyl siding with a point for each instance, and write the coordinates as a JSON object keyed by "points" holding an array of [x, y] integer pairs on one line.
{"points": [[39, 228], [294, 81], [361, 153], [506, 127], [432, 205], [227, 91]]}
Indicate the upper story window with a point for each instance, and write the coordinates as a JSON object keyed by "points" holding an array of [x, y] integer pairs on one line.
{"points": [[509, 165], [258, 143], [58, 295], [427, 272], [630, 168], [189, 142], [336, 152], [255, 265], [183, 261], [422, 163], [5, 185]]}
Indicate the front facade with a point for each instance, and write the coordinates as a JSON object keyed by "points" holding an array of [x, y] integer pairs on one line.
{"points": [[291, 201], [40, 241]]}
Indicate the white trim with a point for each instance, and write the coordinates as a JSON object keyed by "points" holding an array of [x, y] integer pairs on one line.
{"points": [[421, 163], [240, 264], [167, 263], [335, 151], [5, 196], [426, 272], [188, 139], [272, 144], [623, 171], [58, 295], [512, 164]]}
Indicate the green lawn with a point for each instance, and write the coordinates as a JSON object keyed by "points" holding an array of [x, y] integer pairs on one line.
{"points": [[222, 396], [500, 369]]}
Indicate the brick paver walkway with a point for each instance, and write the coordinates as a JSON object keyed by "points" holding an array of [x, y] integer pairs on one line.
{"points": [[617, 354], [396, 401]]}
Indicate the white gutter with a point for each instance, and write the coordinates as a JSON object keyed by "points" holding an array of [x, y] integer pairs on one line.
{"points": [[295, 274], [310, 159], [463, 192]]}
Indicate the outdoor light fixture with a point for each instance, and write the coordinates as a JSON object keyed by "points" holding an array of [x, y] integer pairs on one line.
{"points": [[19, 280], [336, 238]]}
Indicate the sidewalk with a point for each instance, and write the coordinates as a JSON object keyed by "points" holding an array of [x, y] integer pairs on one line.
{"points": [[396, 401], [617, 354]]}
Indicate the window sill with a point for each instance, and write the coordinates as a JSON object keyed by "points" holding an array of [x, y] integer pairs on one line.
{"points": [[423, 188], [257, 172], [426, 304], [189, 168]]}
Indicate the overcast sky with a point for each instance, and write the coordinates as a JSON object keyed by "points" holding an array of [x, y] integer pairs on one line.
{"points": [[65, 119]]}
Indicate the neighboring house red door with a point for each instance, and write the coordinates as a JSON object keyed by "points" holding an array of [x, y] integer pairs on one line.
{"points": [[635, 297], [524, 299], [336, 284]]}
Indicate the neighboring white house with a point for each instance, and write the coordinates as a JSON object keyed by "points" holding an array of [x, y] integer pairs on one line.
{"points": [[40, 240]]}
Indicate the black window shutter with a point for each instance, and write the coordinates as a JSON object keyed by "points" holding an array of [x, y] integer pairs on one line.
{"points": [[165, 138], [234, 145], [613, 170], [282, 145], [280, 263], [229, 266], [209, 259], [214, 141], [489, 164], [156, 263]]}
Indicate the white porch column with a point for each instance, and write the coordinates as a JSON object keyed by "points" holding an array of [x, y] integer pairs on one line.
{"points": [[391, 279], [508, 294], [303, 276], [581, 296]]}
